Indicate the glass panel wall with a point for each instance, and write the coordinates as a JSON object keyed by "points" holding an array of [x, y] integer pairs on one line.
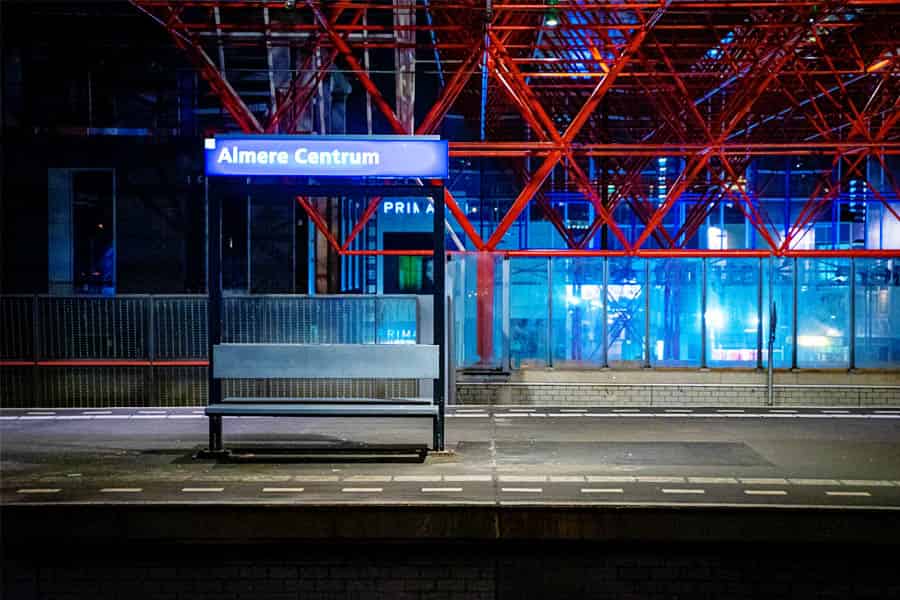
{"points": [[469, 299], [577, 309], [626, 315], [877, 313], [528, 312], [732, 315], [778, 272], [675, 297], [823, 311], [558, 321]]}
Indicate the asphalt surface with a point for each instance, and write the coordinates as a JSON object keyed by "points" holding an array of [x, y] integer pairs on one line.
{"points": [[782, 457]]}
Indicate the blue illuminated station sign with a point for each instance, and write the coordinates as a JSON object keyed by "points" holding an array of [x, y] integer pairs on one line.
{"points": [[328, 156]]}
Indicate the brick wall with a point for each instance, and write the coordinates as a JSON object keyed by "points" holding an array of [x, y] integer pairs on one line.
{"points": [[671, 395], [460, 571]]}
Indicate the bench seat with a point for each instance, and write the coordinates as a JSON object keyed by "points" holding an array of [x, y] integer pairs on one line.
{"points": [[305, 409]]}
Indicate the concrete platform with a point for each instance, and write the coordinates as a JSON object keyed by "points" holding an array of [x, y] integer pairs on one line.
{"points": [[514, 473]]}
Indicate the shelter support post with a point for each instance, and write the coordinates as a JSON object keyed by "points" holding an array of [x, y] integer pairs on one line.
{"points": [[440, 295], [214, 309]]}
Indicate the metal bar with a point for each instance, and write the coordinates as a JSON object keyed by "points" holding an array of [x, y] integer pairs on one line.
{"points": [[320, 224], [440, 276], [852, 358], [605, 341], [759, 315], [646, 313], [232, 102], [795, 283], [549, 311], [505, 311], [214, 309], [773, 316], [703, 343]]}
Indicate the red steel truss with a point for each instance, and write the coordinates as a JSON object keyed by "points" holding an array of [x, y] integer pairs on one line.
{"points": [[712, 83], [559, 86]]}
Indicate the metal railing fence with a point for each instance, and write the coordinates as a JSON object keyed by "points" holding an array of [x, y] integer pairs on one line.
{"points": [[150, 350]]}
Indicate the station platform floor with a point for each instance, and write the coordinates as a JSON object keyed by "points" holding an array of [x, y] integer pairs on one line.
{"points": [[531, 456]]}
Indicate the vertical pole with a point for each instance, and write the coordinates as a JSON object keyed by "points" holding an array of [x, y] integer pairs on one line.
{"points": [[795, 275], [293, 247], [549, 311], [115, 234], [703, 313], [249, 241], [440, 268], [151, 348], [450, 360], [852, 361], [773, 316], [759, 314], [646, 313], [485, 307], [505, 313], [605, 340], [214, 307], [36, 352]]}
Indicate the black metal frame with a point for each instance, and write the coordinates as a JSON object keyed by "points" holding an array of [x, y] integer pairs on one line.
{"points": [[214, 286]]}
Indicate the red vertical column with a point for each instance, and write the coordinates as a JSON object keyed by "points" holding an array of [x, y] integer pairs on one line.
{"points": [[485, 307]]}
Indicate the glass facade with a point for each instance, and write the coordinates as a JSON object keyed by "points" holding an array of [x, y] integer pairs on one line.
{"points": [[576, 286], [529, 313], [732, 311], [823, 313], [877, 313], [675, 309], [592, 312]]}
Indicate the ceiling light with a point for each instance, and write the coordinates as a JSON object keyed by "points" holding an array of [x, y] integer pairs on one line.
{"points": [[551, 19]]}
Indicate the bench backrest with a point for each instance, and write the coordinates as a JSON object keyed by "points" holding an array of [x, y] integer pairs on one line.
{"points": [[325, 361]]}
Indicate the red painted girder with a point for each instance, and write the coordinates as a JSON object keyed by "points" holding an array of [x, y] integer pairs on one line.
{"points": [[571, 131], [230, 99], [319, 222]]}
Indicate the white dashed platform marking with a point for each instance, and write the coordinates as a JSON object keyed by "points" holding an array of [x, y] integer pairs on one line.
{"points": [[765, 492]]}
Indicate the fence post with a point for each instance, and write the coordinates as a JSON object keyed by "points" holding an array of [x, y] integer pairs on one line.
{"points": [[549, 311], [36, 352], [646, 313], [852, 361], [703, 313], [795, 280], [759, 315], [605, 340]]}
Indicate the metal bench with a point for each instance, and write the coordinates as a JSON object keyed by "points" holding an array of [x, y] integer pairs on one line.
{"points": [[323, 361]]}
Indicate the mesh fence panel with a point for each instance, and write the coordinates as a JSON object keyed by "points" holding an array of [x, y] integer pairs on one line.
{"points": [[174, 328], [17, 327], [94, 387], [17, 387], [179, 327], [93, 327]]}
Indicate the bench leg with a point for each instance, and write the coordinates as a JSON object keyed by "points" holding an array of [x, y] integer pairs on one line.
{"points": [[438, 442], [215, 434]]}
